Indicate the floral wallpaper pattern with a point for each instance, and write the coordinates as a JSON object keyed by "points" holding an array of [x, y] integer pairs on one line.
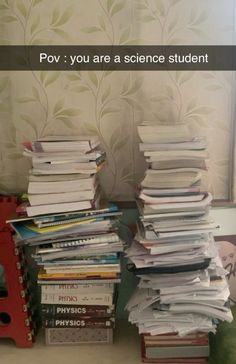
{"points": [[108, 103]]}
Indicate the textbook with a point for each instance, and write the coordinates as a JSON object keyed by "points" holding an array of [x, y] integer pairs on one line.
{"points": [[63, 143], [95, 299], [63, 197], [150, 132], [88, 322], [172, 199], [63, 157], [171, 178], [77, 288], [64, 276], [197, 143], [177, 352], [77, 336], [178, 163], [44, 185], [60, 207], [83, 168], [73, 311], [58, 268]]}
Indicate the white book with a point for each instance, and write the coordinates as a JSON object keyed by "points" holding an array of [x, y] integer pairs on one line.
{"points": [[53, 198], [197, 143], [154, 200], [70, 170], [81, 143], [163, 133], [62, 168], [178, 163], [62, 157], [58, 177], [172, 178], [99, 299], [170, 191], [73, 185], [180, 206], [58, 207], [177, 154], [82, 251], [77, 288]]}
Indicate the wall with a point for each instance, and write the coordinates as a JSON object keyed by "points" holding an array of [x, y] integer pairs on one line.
{"points": [[112, 104]]}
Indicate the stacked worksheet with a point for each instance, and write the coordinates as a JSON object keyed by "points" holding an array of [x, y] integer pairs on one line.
{"points": [[182, 287], [76, 246]]}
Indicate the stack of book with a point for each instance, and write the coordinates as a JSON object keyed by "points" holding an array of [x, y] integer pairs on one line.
{"points": [[76, 246], [63, 177], [182, 291]]}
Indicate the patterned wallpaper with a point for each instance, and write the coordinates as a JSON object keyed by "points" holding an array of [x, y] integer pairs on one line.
{"points": [[112, 104]]}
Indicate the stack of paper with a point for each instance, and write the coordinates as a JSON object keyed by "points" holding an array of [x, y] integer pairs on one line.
{"points": [[182, 288], [77, 249]]}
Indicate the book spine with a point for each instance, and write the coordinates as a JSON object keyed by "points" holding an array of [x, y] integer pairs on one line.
{"points": [[76, 310], [89, 299], [96, 323], [81, 322], [177, 352], [77, 288], [76, 336], [76, 276]]}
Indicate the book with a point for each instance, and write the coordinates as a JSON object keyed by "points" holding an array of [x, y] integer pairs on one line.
{"points": [[82, 322], [63, 197], [95, 299], [28, 230], [76, 276], [198, 205], [73, 218], [173, 339], [57, 177], [81, 251], [171, 178], [90, 260], [60, 207], [88, 268], [177, 163], [171, 155], [150, 132], [61, 186], [177, 352], [77, 288], [111, 208], [170, 191], [83, 168], [63, 143], [64, 157], [171, 199], [103, 238], [77, 336], [76, 281], [197, 143], [74, 311]]}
